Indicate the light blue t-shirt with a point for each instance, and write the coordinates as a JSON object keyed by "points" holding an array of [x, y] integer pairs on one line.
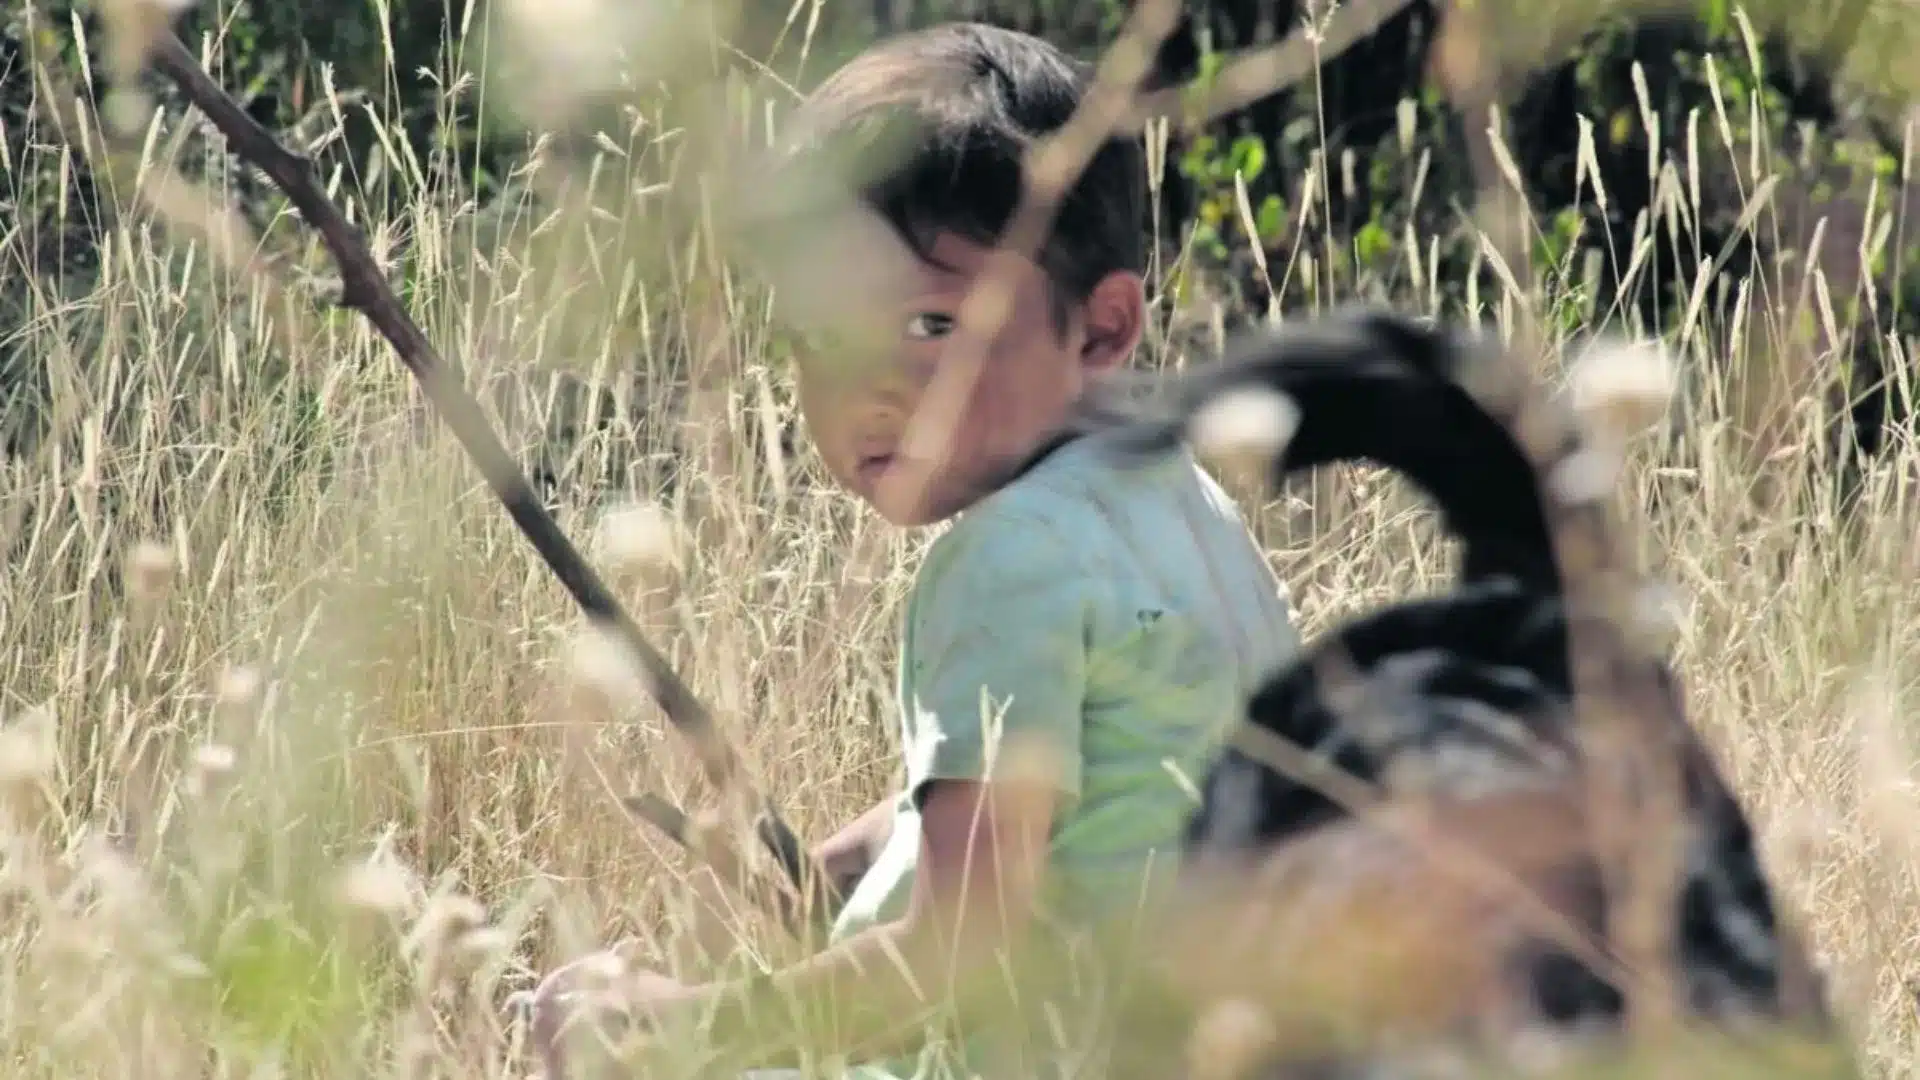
{"points": [[1111, 615]]}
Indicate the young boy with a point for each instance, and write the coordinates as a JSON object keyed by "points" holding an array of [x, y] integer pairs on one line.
{"points": [[1079, 641]]}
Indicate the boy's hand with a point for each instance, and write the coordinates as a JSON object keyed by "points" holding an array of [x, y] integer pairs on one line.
{"points": [[848, 854], [597, 996]]}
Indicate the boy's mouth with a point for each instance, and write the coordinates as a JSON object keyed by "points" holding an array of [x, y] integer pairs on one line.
{"points": [[873, 466]]}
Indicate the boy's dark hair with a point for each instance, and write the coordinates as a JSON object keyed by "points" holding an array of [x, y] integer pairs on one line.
{"points": [[930, 129]]}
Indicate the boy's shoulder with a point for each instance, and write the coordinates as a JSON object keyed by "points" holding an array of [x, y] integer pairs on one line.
{"points": [[1075, 514], [1087, 489], [1144, 562], [1068, 494]]}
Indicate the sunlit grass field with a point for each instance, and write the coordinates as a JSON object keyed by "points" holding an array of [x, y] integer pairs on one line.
{"points": [[295, 779]]}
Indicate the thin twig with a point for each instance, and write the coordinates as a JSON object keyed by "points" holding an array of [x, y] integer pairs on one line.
{"points": [[1262, 71], [1113, 106], [365, 289], [1051, 168]]}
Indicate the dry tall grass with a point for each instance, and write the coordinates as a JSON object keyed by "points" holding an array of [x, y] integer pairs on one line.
{"points": [[262, 618]]}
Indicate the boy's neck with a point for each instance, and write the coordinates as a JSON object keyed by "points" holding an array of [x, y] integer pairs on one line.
{"points": [[1047, 448], [1067, 433]]}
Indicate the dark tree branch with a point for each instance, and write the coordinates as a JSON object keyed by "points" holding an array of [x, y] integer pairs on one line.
{"points": [[366, 290]]}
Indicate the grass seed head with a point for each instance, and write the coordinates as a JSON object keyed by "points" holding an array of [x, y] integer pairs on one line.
{"points": [[212, 769], [479, 946], [447, 917], [150, 570], [636, 538], [29, 745], [602, 970], [1889, 796], [602, 670], [450, 937], [380, 885], [239, 688], [1228, 1040], [118, 888], [29, 762], [239, 693]]}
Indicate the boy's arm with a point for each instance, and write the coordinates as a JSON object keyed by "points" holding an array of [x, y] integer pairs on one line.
{"points": [[982, 858], [999, 663]]}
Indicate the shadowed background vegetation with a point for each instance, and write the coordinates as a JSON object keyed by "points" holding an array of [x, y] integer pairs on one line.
{"points": [[255, 593]]}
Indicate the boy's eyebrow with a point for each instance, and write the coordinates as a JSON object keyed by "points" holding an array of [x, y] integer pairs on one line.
{"points": [[922, 250], [945, 267], [925, 256]]}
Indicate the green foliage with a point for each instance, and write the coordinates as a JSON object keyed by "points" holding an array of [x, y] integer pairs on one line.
{"points": [[1212, 174], [1375, 180]]}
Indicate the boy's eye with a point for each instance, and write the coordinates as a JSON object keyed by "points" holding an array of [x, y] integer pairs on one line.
{"points": [[929, 324]]}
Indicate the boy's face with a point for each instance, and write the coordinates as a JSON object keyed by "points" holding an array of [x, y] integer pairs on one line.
{"points": [[879, 325]]}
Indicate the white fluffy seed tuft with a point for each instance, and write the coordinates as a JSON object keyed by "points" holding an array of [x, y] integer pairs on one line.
{"points": [[450, 938], [29, 759], [213, 766], [1229, 1040], [1888, 793], [447, 917], [238, 687], [602, 970], [636, 538], [600, 664], [150, 570], [1246, 428], [1623, 388], [480, 946], [31, 735], [380, 884]]}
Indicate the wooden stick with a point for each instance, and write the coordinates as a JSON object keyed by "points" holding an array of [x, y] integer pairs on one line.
{"points": [[366, 290]]}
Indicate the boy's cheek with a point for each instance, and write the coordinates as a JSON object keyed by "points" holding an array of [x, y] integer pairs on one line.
{"points": [[823, 426], [818, 399]]}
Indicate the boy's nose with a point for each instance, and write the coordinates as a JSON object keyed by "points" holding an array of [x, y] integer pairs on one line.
{"points": [[898, 382], [884, 410]]}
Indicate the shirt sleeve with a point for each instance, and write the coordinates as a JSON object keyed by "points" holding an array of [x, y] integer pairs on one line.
{"points": [[997, 661]]}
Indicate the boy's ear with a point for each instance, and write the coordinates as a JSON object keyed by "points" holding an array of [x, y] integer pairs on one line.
{"points": [[1114, 317]]}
